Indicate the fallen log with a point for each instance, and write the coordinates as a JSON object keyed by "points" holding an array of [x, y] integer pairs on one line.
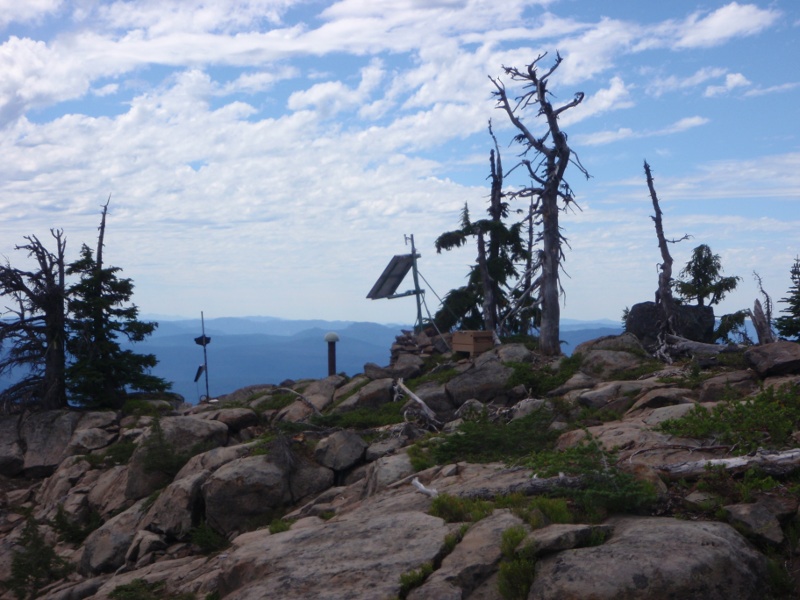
{"points": [[530, 487], [770, 462], [678, 345]]}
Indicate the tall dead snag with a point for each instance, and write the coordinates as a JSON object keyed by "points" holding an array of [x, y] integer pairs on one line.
{"points": [[34, 335], [664, 300], [548, 189]]}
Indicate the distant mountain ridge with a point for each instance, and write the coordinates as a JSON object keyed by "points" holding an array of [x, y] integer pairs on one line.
{"points": [[256, 350]]}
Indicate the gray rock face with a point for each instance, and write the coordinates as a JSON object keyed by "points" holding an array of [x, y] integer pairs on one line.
{"points": [[780, 358], [183, 435], [691, 322], [487, 381], [46, 436], [315, 564], [472, 561], [374, 394], [243, 490], [340, 450], [12, 459], [173, 511], [695, 561], [106, 547]]}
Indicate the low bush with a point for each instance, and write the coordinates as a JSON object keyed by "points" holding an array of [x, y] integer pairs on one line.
{"points": [[208, 539], [482, 441], [765, 420], [607, 489], [139, 589], [73, 531], [362, 418]]}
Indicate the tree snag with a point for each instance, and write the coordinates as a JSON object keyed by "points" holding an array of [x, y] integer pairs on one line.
{"points": [[548, 188]]}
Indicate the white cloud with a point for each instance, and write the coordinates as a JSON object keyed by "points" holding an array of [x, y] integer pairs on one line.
{"points": [[616, 96], [606, 137], [774, 89], [719, 26], [732, 81], [674, 83], [26, 11]]}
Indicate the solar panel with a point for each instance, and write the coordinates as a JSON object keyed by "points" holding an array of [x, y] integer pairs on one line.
{"points": [[392, 276]]}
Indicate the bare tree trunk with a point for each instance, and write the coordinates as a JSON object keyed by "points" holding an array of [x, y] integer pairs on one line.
{"points": [[664, 297], [549, 332], [54, 393], [761, 324], [489, 304]]}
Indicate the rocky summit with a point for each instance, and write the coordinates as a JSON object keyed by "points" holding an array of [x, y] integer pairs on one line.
{"points": [[605, 475]]}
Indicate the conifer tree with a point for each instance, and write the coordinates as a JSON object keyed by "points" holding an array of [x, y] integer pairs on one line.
{"points": [[789, 325], [702, 278], [100, 313]]}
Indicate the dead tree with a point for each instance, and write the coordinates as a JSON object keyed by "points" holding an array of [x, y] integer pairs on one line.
{"points": [[549, 191], [664, 300], [762, 316], [35, 334]]}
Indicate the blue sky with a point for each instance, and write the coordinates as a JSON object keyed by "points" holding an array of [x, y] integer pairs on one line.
{"points": [[267, 157]]}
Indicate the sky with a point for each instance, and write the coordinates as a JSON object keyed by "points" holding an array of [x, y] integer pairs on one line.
{"points": [[269, 157]]}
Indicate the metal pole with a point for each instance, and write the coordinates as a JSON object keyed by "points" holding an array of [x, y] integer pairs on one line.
{"points": [[417, 291], [205, 356]]}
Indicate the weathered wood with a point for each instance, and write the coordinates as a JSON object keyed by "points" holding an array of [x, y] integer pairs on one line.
{"points": [[772, 463], [761, 324], [678, 345], [530, 487], [305, 400], [425, 408]]}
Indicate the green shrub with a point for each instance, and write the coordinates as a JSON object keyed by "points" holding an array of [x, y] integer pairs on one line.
{"points": [[276, 401], [73, 532], [515, 577], [607, 489], [539, 381], [765, 420], [36, 564], [116, 454], [280, 525], [510, 540], [482, 441], [454, 509], [363, 418], [207, 539]]}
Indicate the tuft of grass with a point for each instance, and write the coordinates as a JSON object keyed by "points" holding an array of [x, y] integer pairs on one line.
{"points": [[280, 525], [510, 539], [454, 509], [414, 579], [515, 577]]}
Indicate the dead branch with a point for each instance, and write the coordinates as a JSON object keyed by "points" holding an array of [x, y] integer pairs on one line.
{"points": [[305, 400]]}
